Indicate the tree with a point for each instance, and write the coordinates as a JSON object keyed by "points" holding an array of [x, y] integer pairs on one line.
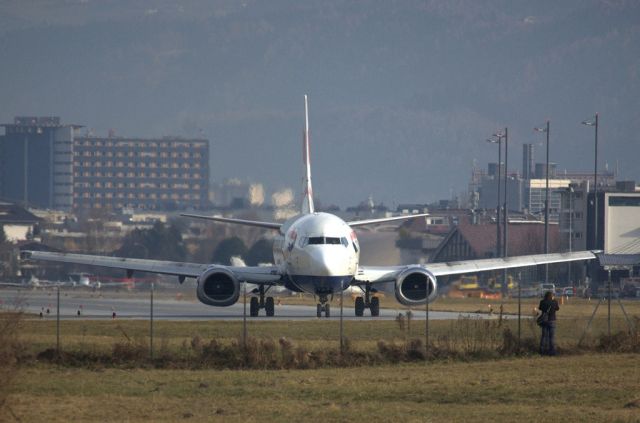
{"points": [[228, 248], [160, 243], [3, 236], [260, 252]]}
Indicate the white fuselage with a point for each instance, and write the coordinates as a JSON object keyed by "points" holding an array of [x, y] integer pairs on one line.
{"points": [[318, 252]]}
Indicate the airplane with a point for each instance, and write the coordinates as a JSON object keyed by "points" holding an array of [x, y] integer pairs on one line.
{"points": [[314, 252], [78, 280], [33, 282]]}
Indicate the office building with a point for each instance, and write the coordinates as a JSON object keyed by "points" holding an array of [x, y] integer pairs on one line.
{"points": [[36, 155], [535, 197], [45, 164], [152, 174]]}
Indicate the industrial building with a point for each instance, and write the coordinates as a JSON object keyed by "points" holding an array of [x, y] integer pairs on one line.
{"points": [[46, 164]]}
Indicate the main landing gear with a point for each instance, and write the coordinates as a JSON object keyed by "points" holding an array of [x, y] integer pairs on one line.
{"points": [[255, 304], [323, 306], [372, 303]]}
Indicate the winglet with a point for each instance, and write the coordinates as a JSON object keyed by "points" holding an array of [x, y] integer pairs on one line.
{"points": [[307, 199]]}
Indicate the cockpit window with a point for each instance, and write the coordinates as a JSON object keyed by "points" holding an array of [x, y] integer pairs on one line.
{"points": [[317, 240], [344, 242]]}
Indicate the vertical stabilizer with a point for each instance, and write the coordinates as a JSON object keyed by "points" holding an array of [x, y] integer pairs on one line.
{"points": [[307, 196]]}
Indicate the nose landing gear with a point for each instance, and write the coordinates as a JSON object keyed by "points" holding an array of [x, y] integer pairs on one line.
{"points": [[323, 306]]}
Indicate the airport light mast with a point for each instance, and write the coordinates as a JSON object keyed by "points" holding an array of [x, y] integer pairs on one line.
{"points": [[499, 137], [594, 122], [498, 140], [545, 129]]}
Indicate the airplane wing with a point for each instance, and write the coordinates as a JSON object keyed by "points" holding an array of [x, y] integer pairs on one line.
{"points": [[268, 225], [268, 275], [355, 223], [381, 274]]}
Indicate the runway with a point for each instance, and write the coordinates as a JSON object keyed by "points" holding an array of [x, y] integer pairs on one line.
{"points": [[102, 305]]}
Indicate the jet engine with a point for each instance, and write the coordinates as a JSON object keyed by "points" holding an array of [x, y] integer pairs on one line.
{"points": [[219, 287], [411, 286]]}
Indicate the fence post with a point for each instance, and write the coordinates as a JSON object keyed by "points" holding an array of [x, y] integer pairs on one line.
{"points": [[244, 318], [151, 324], [58, 322], [341, 312]]}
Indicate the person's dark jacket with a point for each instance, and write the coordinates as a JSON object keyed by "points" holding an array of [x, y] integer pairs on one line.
{"points": [[551, 306]]}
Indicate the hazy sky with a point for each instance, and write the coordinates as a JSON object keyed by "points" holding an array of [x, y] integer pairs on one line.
{"points": [[402, 94]]}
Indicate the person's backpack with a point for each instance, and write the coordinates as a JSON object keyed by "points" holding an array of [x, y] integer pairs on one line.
{"points": [[543, 319]]}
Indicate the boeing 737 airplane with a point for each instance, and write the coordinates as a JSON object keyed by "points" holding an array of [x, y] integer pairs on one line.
{"points": [[316, 253]]}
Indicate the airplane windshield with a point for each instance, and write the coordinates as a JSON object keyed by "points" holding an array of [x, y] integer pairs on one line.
{"points": [[318, 240]]}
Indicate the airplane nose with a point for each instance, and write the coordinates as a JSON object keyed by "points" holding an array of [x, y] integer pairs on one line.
{"points": [[327, 263]]}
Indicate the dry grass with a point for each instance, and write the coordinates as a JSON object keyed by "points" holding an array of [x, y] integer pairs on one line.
{"points": [[476, 370], [41, 333], [573, 307], [587, 388], [304, 344], [10, 349]]}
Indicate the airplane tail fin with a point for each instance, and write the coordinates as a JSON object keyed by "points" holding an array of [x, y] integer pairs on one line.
{"points": [[307, 196]]}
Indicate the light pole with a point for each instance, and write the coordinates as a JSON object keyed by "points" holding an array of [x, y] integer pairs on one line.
{"points": [[505, 220], [570, 230], [498, 137], [594, 122], [546, 202], [495, 139]]}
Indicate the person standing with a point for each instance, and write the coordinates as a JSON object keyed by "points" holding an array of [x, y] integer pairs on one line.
{"points": [[547, 340]]}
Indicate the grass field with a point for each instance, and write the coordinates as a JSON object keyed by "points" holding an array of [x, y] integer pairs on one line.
{"points": [[469, 376], [587, 388]]}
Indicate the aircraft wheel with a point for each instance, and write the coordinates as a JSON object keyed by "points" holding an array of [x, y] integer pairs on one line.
{"points": [[254, 307], [375, 306], [319, 310], [269, 307], [359, 306], [327, 310]]}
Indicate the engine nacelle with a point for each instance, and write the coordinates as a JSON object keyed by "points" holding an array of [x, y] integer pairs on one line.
{"points": [[411, 286], [219, 287]]}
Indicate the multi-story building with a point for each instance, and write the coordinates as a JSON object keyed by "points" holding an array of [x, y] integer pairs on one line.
{"points": [[46, 164], [617, 226], [116, 173], [573, 217], [535, 197], [36, 162]]}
